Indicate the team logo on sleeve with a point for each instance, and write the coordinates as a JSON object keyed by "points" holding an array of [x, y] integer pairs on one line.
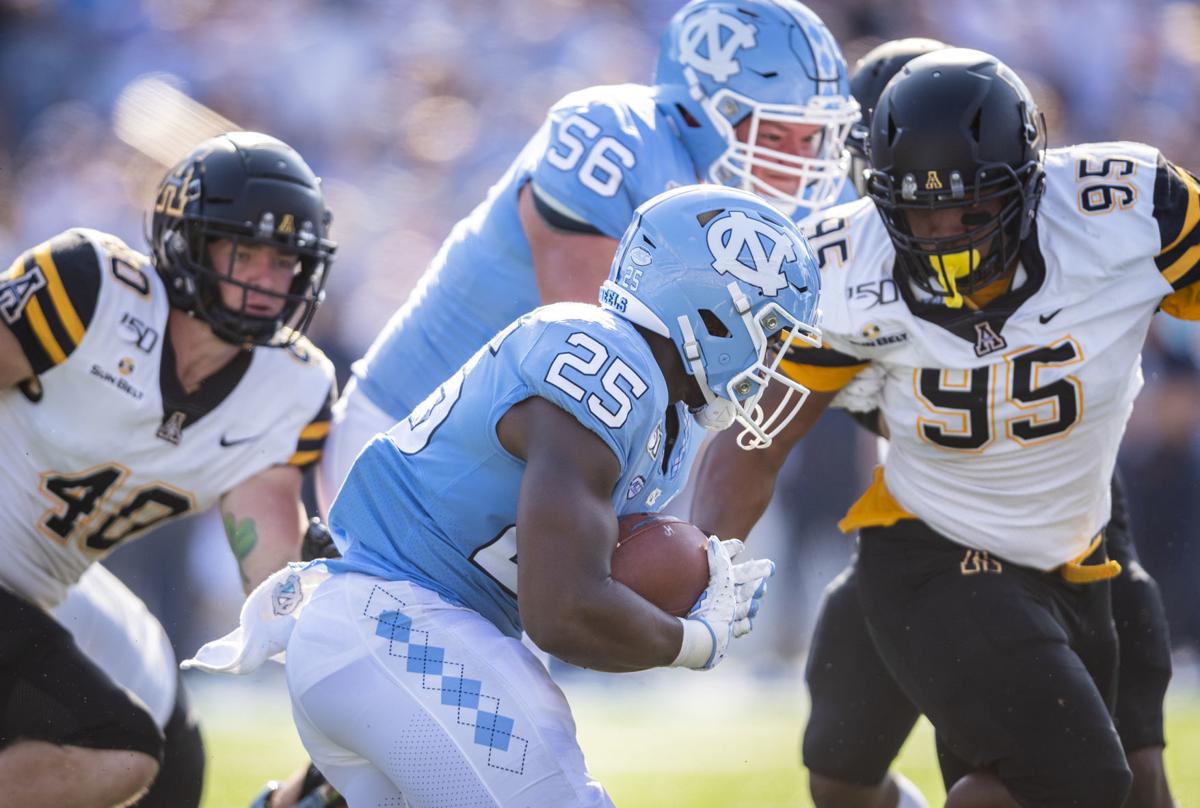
{"points": [[711, 40], [16, 293], [751, 251]]}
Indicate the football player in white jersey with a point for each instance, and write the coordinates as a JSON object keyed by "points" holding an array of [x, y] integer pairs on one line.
{"points": [[860, 718], [137, 390], [1005, 291], [747, 93]]}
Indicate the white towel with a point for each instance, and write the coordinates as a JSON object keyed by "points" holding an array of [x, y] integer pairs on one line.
{"points": [[268, 617]]}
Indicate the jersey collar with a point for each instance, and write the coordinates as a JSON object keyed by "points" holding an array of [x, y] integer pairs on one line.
{"points": [[191, 407], [968, 324]]}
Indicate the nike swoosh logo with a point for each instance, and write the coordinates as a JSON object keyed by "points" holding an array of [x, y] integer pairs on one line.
{"points": [[226, 442], [1045, 318]]}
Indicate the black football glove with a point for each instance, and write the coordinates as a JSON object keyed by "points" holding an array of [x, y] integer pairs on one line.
{"points": [[318, 542], [315, 793]]}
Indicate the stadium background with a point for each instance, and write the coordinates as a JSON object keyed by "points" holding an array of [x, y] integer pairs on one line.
{"points": [[409, 111]]}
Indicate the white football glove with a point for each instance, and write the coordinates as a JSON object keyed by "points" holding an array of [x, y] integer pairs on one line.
{"points": [[750, 581], [725, 609], [864, 392]]}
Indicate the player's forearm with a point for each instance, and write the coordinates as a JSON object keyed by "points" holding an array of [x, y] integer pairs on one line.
{"points": [[267, 557], [606, 628], [258, 554], [265, 523], [733, 489]]}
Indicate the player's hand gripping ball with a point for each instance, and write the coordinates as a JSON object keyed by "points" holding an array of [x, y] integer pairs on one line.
{"points": [[663, 559]]}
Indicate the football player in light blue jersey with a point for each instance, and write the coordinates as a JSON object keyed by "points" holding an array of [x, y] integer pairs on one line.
{"points": [[408, 678], [750, 94]]}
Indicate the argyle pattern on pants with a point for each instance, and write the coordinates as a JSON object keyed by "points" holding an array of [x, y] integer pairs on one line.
{"points": [[473, 707]]}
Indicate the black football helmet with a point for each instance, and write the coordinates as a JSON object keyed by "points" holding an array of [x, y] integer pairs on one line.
{"points": [[871, 73], [252, 189], [956, 128]]}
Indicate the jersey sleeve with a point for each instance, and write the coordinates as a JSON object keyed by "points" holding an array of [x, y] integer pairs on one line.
{"points": [[595, 377], [822, 370], [311, 442], [1177, 212], [826, 369], [587, 178], [48, 296]]}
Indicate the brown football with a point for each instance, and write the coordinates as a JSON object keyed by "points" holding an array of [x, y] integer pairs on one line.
{"points": [[663, 559]]}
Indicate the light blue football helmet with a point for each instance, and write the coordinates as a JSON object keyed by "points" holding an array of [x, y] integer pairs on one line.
{"points": [[723, 62], [730, 280]]}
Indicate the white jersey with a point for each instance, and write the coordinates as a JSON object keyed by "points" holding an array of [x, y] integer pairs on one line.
{"points": [[105, 443], [117, 632], [1005, 421]]}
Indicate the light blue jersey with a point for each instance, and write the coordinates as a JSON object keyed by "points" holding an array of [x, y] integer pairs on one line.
{"points": [[849, 194], [601, 153], [434, 500]]}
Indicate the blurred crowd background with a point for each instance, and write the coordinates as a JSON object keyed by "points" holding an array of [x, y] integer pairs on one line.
{"points": [[411, 109]]}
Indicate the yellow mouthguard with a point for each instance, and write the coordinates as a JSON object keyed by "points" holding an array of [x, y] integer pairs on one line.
{"points": [[950, 267]]}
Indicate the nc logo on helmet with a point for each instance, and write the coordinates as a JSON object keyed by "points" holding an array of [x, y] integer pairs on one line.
{"points": [[730, 237], [706, 31]]}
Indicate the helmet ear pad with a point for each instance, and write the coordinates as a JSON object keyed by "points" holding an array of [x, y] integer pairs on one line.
{"points": [[250, 189]]}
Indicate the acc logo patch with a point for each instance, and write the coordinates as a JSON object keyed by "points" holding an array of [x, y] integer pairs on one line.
{"points": [[635, 487], [710, 42], [750, 250], [655, 442]]}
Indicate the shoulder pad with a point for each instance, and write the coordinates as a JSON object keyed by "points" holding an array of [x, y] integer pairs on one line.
{"points": [[1104, 208], [605, 151], [595, 368], [48, 296]]}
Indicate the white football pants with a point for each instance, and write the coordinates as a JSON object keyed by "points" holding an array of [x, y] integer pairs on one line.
{"points": [[356, 419], [404, 700]]}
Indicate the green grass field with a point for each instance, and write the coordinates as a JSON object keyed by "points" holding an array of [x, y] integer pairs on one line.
{"points": [[668, 738]]}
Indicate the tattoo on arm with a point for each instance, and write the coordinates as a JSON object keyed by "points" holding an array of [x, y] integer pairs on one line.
{"points": [[242, 539]]}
